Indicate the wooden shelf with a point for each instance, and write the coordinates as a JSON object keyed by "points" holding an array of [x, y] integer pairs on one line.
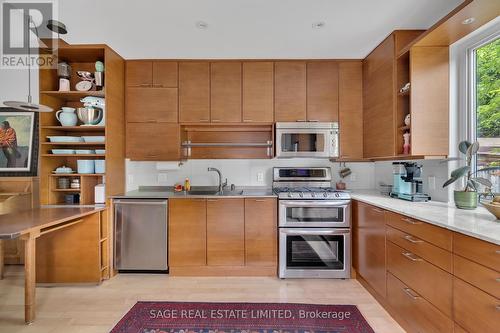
{"points": [[77, 175], [73, 155], [75, 128], [72, 95], [74, 143], [65, 190]]}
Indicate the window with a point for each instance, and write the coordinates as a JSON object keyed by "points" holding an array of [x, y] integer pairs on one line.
{"points": [[484, 104]]}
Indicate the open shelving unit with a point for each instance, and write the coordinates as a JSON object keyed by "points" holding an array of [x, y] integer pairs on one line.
{"points": [[82, 58]]}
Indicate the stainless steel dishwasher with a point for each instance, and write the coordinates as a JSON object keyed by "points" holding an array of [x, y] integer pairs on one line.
{"points": [[140, 235]]}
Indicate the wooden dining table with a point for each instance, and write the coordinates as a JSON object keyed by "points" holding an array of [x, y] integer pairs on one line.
{"points": [[29, 225]]}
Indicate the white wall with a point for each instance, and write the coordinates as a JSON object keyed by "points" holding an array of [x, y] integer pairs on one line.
{"points": [[238, 172]]}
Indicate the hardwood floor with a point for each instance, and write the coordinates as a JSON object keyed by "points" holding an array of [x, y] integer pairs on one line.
{"points": [[91, 309]]}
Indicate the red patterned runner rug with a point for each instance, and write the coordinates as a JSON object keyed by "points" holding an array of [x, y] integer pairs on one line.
{"points": [[189, 317]]}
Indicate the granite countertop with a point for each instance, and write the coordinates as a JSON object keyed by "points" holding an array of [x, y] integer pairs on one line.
{"points": [[166, 192], [478, 223]]}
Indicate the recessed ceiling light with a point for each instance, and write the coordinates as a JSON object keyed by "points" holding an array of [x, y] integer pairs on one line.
{"points": [[468, 21], [318, 25], [202, 25]]}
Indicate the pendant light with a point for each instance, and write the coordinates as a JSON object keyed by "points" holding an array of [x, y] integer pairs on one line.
{"points": [[54, 26]]}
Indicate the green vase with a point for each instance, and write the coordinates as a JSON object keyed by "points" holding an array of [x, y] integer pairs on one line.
{"points": [[465, 200]]}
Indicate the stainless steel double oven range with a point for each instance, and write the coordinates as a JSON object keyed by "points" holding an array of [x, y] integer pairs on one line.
{"points": [[314, 224]]}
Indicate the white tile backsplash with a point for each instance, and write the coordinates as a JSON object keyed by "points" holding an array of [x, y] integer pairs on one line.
{"points": [[238, 172], [431, 168]]}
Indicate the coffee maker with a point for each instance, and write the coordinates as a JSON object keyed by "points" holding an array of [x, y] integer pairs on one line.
{"points": [[407, 184]]}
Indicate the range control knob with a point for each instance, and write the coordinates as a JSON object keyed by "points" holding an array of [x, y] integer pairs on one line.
{"points": [[325, 194], [337, 195], [289, 194], [301, 195]]}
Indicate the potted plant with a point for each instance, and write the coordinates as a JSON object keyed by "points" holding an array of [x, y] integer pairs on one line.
{"points": [[468, 197]]}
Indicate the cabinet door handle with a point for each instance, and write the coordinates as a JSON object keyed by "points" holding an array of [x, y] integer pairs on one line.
{"points": [[204, 120], [497, 279], [248, 120], [378, 210], [410, 293], [411, 256], [157, 85], [301, 120], [412, 239], [215, 120], [497, 307], [313, 120], [212, 200], [144, 85], [259, 200], [497, 251], [151, 121], [410, 221]]}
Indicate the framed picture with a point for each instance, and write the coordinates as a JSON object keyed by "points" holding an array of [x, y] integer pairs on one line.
{"points": [[18, 143]]}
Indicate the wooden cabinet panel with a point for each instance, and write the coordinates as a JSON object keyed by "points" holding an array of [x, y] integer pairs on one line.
{"points": [[429, 67], [369, 245], [378, 101], [194, 92], [416, 273], [420, 315], [482, 252], [433, 254], [225, 92], [479, 276], [322, 91], [290, 91], [474, 310], [351, 109], [187, 232], [153, 142], [139, 73], [261, 232], [225, 232], [151, 105], [258, 92], [428, 232], [165, 74]]}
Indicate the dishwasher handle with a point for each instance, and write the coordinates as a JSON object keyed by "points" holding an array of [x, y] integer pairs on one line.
{"points": [[145, 202]]}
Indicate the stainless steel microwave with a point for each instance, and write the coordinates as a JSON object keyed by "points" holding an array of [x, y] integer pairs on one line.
{"points": [[307, 139]]}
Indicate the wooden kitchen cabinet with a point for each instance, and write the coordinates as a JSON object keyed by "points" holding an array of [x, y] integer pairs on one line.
{"points": [[369, 245], [187, 229], [153, 142], [258, 92], [165, 74], [151, 104], [261, 232], [351, 109], [194, 92], [290, 91], [158, 74], [225, 92], [323, 91], [139, 73], [225, 232]]}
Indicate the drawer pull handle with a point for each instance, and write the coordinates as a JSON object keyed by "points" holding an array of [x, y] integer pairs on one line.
{"points": [[410, 221], [497, 279], [497, 307], [410, 293], [412, 239], [378, 210], [497, 251], [411, 256]]}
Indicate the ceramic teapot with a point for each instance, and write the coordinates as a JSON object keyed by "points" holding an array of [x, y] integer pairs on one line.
{"points": [[67, 116]]}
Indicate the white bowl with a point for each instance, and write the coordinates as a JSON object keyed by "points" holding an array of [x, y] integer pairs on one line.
{"points": [[94, 138], [63, 151]]}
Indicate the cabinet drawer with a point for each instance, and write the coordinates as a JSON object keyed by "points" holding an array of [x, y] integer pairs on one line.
{"points": [[479, 276], [475, 310], [482, 252], [433, 254], [433, 283], [420, 315], [428, 232]]}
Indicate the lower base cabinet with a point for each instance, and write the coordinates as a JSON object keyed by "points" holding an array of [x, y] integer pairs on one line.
{"points": [[419, 313], [223, 237]]}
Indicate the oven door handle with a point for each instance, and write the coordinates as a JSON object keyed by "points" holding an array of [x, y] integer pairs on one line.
{"points": [[316, 232], [319, 203]]}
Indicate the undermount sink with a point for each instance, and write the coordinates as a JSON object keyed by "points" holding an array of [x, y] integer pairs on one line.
{"points": [[203, 192]]}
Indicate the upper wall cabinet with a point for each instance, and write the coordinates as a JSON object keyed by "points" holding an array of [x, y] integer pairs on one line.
{"points": [[322, 91], [351, 110], [225, 92], [194, 92], [159, 74], [258, 92], [290, 91]]}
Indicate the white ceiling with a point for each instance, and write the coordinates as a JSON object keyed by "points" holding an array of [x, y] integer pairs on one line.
{"points": [[245, 28]]}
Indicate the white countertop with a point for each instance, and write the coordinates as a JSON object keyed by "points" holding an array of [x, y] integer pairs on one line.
{"points": [[478, 223]]}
